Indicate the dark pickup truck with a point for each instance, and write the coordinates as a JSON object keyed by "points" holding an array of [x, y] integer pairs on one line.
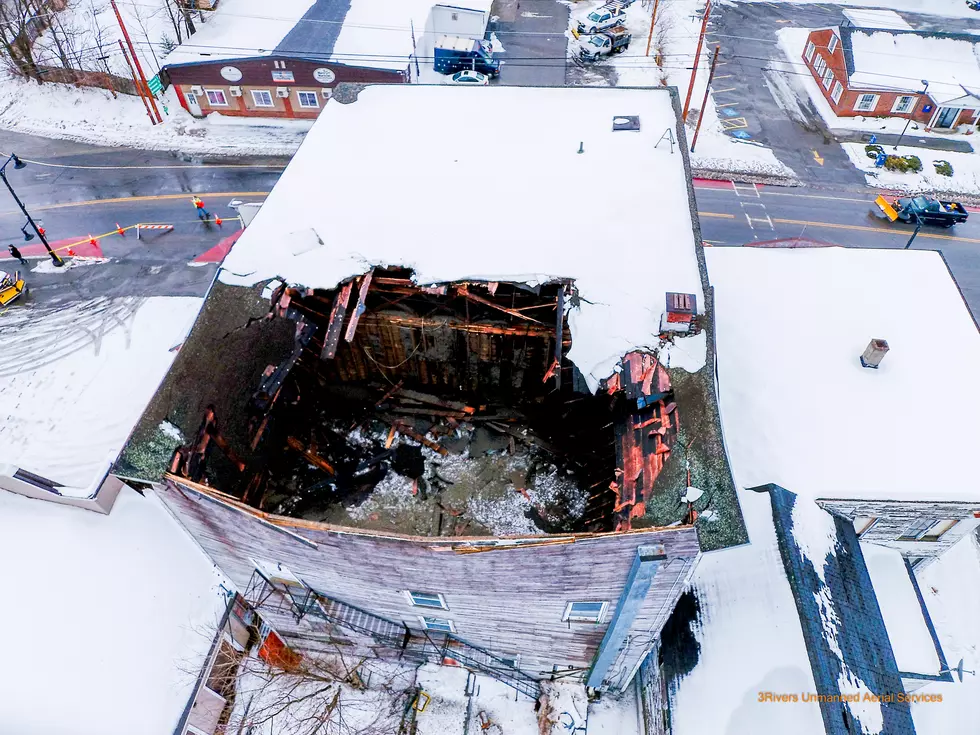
{"points": [[924, 210]]}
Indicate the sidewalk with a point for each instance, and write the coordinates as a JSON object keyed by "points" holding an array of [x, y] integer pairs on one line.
{"points": [[910, 139], [80, 246]]}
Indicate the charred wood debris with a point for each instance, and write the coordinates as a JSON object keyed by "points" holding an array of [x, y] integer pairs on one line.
{"points": [[390, 376]]}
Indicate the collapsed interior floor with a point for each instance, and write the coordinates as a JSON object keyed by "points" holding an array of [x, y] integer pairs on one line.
{"points": [[442, 411]]}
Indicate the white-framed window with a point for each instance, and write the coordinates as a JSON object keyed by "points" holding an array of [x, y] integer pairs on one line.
{"points": [[828, 78], [443, 625], [308, 99], [512, 659], [837, 92], [926, 529], [904, 103], [590, 611], [810, 48], [820, 65], [832, 46], [262, 98], [216, 98], [866, 102], [426, 599], [282, 75]]}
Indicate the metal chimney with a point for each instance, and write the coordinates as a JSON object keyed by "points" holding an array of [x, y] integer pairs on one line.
{"points": [[874, 353]]}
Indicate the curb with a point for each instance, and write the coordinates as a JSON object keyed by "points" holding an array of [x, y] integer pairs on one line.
{"points": [[746, 177]]}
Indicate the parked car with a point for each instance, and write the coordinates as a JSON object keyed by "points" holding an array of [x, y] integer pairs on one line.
{"points": [[468, 77], [613, 40], [599, 19]]}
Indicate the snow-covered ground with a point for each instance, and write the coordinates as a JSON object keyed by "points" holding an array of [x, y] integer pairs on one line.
{"points": [[675, 37], [965, 178], [75, 380], [108, 618], [93, 116], [950, 8]]}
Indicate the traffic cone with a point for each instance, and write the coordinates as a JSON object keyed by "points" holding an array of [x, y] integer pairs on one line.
{"points": [[217, 220], [42, 231], [71, 251], [92, 241], [121, 232]]}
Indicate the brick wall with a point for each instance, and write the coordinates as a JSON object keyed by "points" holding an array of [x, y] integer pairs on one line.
{"points": [[895, 516], [245, 105]]}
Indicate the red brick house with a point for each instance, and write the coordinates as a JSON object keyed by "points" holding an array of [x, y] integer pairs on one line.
{"points": [[858, 69]]}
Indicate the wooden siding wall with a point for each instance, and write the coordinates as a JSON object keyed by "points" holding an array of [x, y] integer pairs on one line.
{"points": [[507, 600]]}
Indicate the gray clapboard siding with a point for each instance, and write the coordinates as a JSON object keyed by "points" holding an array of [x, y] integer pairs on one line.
{"points": [[508, 600]]}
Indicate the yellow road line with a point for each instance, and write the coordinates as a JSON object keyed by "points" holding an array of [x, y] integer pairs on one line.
{"points": [[716, 214], [148, 198], [865, 228]]}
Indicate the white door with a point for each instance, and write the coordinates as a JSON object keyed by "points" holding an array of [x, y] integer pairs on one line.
{"points": [[192, 106]]}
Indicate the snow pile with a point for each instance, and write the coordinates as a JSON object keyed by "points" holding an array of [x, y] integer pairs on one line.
{"points": [[132, 607], [815, 534], [90, 115], [620, 716], [907, 631], [75, 380], [965, 178], [791, 327], [441, 156]]}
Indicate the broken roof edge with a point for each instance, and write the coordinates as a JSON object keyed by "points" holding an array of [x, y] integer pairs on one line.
{"points": [[475, 544]]}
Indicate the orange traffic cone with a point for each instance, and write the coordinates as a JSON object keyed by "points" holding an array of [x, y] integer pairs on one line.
{"points": [[217, 220], [92, 240], [42, 231], [71, 251], [120, 230]]}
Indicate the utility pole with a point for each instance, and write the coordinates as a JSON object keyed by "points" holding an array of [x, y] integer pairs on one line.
{"points": [[55, 258], [704, 102], [155, 117], [697, 57], [136, 83], [653, 19]]}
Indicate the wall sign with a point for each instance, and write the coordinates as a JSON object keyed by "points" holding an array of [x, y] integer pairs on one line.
{"points": [[231, 73], [324, 75], [927, 108], [282, 75]]}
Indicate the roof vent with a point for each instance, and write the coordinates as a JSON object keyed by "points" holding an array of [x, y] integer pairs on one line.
{"points": [[874, 353], [626, 122]]}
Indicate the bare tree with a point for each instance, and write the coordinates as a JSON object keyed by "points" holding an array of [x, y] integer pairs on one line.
{"points": [[20, 24]]}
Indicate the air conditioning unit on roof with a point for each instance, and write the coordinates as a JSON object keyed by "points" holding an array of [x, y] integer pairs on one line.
{"points": [[282, 91]]}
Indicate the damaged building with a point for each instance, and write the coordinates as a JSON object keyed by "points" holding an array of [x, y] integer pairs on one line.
{"points": [[427, 412]]}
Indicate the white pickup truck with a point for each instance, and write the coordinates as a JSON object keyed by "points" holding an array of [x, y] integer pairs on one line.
{"points": [[601, 18], [613, 40]]}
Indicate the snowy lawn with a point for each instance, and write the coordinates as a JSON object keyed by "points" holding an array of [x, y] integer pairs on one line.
{"points": [[116, 643], [949, 8], [90, 115], [965, 178]]}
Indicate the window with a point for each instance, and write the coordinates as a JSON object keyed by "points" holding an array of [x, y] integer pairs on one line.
{"points": [[837, 92], [820, 65], [427, 599], [262, 98], [216, 98], [585, 612], [440, 624], [904, 103], [863, 524], [512, 659], [828, 78], [926, 529], [308, 99], [810, 48], [866, 103], [281, 75], [833, 43]]}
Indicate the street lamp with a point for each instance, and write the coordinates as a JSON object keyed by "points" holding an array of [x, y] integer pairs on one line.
{"points": [[18, 164], [909, 119]]}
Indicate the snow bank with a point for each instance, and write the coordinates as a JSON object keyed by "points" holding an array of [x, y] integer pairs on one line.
{"points": [[90, 115], [791, 326], [907, 631], [951, 8], [476, 184], [114, 616], [75, 380], [965, 178]]}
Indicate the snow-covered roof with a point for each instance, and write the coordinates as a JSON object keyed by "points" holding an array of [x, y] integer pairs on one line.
{"points": [[797, 407], [75, 380], [367, 33], [108, 618], [489, 184], [868, 18], [880, 62]]}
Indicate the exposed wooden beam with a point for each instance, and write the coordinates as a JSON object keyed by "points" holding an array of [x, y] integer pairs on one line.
{"points": [[464, 292], [360, 308], [336, 324]]}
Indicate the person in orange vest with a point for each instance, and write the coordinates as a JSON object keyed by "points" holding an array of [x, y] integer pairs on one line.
{"points": [[202, 213]]}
